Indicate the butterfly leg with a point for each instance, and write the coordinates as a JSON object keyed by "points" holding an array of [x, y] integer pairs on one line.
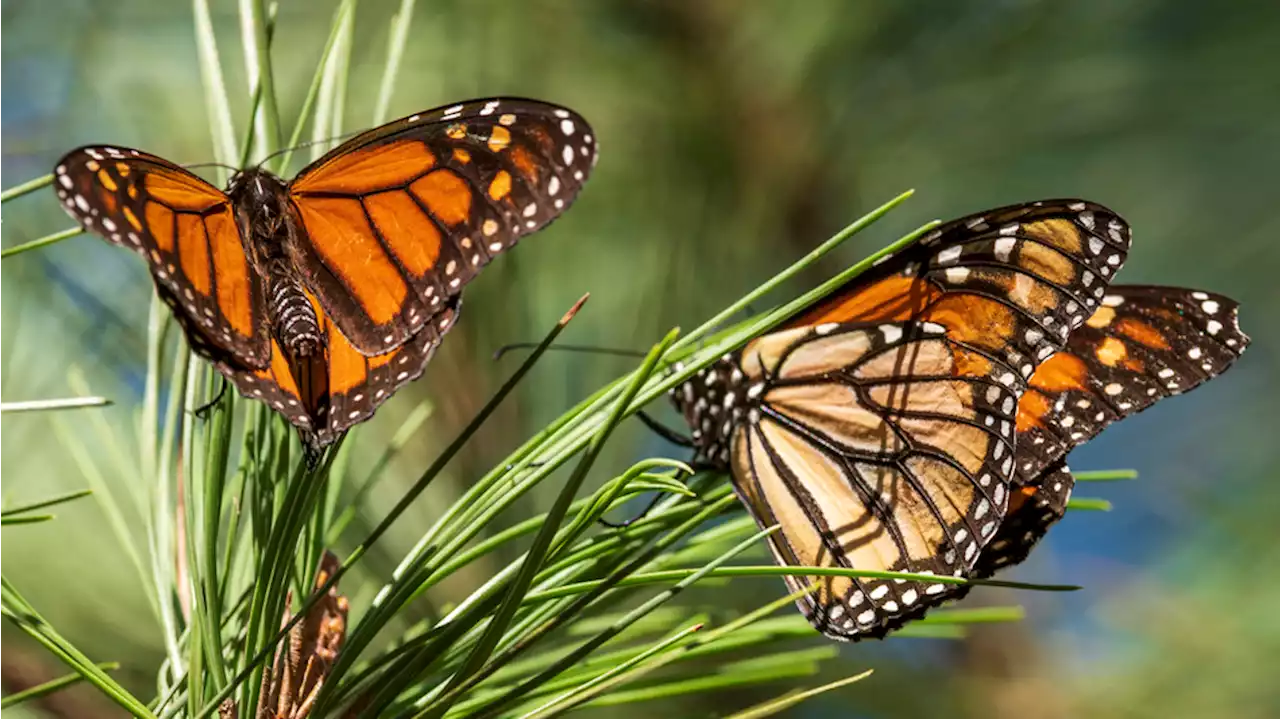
{"points": [[648, 508], [202, 412], [664, 431], [628, 522]]}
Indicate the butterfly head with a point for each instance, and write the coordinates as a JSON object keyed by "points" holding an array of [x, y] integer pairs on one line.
{"points": [[261, 201]]}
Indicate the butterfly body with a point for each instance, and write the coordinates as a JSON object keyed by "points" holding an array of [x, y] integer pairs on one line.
{"points": [[324, 294]]}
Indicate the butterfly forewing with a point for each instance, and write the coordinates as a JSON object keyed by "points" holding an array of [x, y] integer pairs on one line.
{"points": [[186, 230], [400, 218], [1013, 281], [1142, 345]]}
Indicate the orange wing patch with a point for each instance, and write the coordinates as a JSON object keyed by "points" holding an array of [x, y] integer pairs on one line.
{"points": [[500, 187], [406, 230], [370, 169], [892, 298], [183, 192], [446, 194], [193, 253], [346, 244], [1141, 332], [160, 222]]}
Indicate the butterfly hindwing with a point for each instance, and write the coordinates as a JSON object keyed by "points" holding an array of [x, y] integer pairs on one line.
{"points": [[1033, 508], [1143, 344], [186, 230], [866, 467], [397, 220], [349, 385]]}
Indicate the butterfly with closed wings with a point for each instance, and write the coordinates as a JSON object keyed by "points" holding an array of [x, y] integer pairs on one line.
{"points": [[916, 419], [323, 295], [877, 427]]}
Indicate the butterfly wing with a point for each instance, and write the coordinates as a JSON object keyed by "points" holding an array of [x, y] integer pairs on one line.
{"points": [[877, 447], [1142, 345], [1006, 287], [344, 387], [1014, 280], [399, 218], [186, 230]]}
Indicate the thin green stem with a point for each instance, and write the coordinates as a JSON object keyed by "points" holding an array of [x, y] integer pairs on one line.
{"points": [[26, 188], [42, 242]]}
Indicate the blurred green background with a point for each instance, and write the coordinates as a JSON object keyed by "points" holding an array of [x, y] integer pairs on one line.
{"points": [[734, 136]]}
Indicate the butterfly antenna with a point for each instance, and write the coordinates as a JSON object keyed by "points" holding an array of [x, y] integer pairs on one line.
{"points": [[585, 349], [223, 165], [309, 143], [664, 431]]}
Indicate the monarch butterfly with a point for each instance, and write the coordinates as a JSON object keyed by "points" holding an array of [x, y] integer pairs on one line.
{"points": [[324, 295], [1142, 345], [878, 427]]}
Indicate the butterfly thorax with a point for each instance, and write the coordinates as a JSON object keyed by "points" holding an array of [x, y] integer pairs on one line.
{"points": [[267, 224], [714, 402], [263, 210]]}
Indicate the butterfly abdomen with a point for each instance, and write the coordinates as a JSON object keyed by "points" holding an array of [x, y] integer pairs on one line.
{"points": [[293, 318]]}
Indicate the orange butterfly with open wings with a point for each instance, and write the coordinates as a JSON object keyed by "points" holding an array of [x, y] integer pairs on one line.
{"points": [[323, 295]]}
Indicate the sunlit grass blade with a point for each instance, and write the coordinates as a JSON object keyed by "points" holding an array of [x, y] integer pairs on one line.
{"points": [[43, 503], [791, 699], [44, 405], [339, 26], [331, 94], [408, 429], [675, 575], [1105, 475], [581, 651], [976, 615], [28, 519], [1088, 504], [600, 683], [42, 242], [542, 542], [358, 553], [115, 517], [401, 21], [257, 60], [217, 103], [798, 266]]}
